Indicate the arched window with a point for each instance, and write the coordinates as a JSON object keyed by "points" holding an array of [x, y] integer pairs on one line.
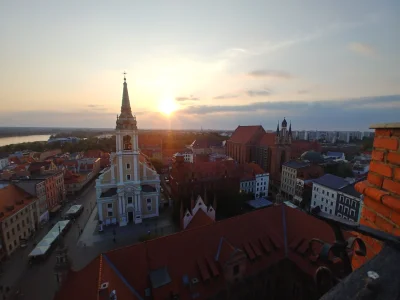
{"points": [[127, 139]]}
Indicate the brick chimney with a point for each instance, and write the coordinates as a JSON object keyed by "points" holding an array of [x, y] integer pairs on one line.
{"points": [[381, 190]]}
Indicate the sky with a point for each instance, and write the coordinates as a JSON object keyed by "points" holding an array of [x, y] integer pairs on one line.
{"points": [[216, 64]]}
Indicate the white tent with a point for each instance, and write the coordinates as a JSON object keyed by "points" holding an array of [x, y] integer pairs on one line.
{"points": [[39, 250]]}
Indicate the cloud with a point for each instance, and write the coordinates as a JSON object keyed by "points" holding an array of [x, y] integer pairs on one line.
{"points": [[96, 107], [301, 107], [363, 49], [302, 92], [183, 99], [270, 74], [226, 96], [257, 93]]}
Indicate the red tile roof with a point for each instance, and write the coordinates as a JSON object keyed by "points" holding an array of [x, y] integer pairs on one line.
{"points": [[199, 219], [268, 139], [202, 251], [243, 134], [88, 276], [13, 199]]}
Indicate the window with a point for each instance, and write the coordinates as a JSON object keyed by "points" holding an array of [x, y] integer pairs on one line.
{"points": [[109, 205], [331, 203], [148, 201], [236, 270], [128, 166], [110, 213], [128, 177], [340, 207], [330, 211], [327, 193], [130, 200], [352, 212], [315, 196], [15, 243], [314, 203], [8, 235], [326, 209], [323, 192]]}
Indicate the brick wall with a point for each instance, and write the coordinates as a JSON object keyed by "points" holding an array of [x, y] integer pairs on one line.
{"points": [[381, 190]]}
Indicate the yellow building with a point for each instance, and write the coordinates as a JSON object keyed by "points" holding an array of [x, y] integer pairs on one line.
{"points": [[129, 190]]}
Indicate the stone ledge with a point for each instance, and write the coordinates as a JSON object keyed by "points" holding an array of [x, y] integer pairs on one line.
{"points": [[385, 125]]}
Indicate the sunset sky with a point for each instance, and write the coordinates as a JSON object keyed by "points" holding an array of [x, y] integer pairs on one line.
{"points": [[219, 63]]}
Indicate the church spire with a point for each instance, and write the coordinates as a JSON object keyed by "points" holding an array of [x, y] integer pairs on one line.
{"points": [[126, 105], [126, 120], [277, 129], [290, 128]]}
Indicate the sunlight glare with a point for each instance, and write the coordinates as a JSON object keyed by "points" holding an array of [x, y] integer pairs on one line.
{"points": [[167, 106]]}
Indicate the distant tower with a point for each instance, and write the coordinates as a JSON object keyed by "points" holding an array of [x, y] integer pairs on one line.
{"points": [[283, 136], [63, 263]]}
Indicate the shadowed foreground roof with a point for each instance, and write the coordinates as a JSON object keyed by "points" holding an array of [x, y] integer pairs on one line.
{"points": [[270, 234], [386, 265]]}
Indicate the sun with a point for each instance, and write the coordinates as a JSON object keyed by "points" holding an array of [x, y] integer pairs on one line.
{"points": [[167, 106]]}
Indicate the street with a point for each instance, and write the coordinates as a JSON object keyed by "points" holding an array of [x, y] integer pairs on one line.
{"points": [[38, 282]]}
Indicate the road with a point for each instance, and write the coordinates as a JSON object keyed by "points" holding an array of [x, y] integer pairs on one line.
{"points": [[38, 282]]}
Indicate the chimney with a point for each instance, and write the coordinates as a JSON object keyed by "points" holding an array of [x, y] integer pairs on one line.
{"points": [[381, 190]]}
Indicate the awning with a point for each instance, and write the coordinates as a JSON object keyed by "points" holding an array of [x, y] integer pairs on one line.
{"points": [[55, 209], [39, 250]]}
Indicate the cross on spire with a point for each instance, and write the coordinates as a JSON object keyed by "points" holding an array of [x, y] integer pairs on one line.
{"points": [[124, 75]]}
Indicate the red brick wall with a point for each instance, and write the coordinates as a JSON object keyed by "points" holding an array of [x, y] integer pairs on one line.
{"points": [[381, 190]]}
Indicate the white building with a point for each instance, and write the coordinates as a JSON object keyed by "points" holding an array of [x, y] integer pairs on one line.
{"points": [[187, 156], [4, 162], [337, 197], [199, 207], [255, 181], [335, 155], [129, 190]]}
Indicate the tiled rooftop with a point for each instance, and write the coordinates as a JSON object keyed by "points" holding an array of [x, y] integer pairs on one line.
{"points": [[332, 181]]}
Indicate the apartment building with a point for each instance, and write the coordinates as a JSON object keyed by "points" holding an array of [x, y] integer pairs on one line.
{"points": [[18, 212]]}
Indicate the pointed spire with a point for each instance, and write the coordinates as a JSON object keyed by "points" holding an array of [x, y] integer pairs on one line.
{"points": [[290, 128], [126, 105], [277, 129]]}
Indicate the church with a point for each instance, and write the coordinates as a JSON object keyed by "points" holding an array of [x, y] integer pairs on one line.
{"points": [[129, 190]]}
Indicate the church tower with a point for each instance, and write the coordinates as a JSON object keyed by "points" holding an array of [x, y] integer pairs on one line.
{"points": [[127, 155], [129, 190]]}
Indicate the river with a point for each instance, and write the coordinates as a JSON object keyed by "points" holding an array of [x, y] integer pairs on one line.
{"points": [[23, 139]]}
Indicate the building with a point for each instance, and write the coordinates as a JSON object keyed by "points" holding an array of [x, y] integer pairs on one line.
{"points": [[206, 145], [4, 162], [79, 173], [264, 254], [18, 215], [55, 189], [187, 156], [349, 203], [294, 173], [36, 188], [335, 155], [42, 167], [381, 190], [243, 143], [104, 157], [198, 214], [129, 190], [268, 150], [337, 197], [254, 180]]}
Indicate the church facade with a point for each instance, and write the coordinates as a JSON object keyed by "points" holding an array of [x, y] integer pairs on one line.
{"points": [[129, 190]]}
